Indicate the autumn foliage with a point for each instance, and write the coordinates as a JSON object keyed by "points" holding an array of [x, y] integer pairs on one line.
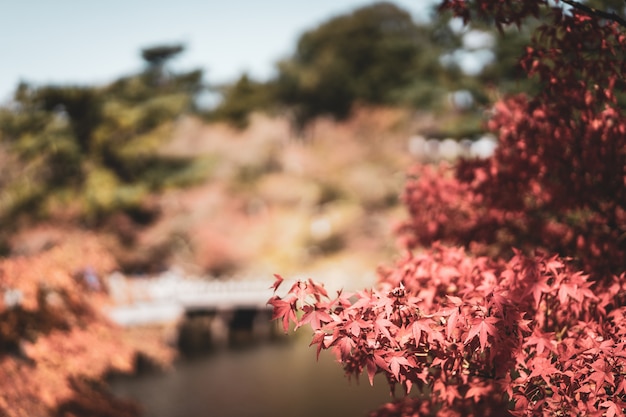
{"points": [[558, 177], [471, 336], [56, 346], [511, 297]]}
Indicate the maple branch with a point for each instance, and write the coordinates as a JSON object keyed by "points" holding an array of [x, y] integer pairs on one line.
{"points": [[597, 13]]}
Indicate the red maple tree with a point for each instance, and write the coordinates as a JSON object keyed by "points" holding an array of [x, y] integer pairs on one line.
{"points": [[511, 299]]}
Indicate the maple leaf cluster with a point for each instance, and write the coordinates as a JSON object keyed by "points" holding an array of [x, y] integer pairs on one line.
{"points": [[56, 346], [476, 336], [511, 299]]}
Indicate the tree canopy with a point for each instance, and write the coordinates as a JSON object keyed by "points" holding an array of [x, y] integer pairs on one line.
{"points": [[158, 55], [364, 56]]}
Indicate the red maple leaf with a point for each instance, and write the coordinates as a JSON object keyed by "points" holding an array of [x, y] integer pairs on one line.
{"points": [[483, 328], [316, 317], [300, 290], [543, 368], [397, 361], [541, 341], [420, 326], [603, 374], [318, 339], [279, 280], [382, 325], [284, 310], [343, 346], [538, 288], [612, 409], [355, 326], [372, 368], [317, 289]]}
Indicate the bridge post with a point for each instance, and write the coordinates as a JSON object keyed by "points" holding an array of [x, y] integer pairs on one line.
{"points": [[194, 334], [220, 329]]}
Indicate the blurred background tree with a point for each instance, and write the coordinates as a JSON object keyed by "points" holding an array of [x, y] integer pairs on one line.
{"points": [[87, 152], [366, 56], [240, 99], [378, 55], [157, 56]]}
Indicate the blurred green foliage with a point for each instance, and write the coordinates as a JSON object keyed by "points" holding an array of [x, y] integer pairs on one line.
{"points": [[374, 55], [241, 99], [378, 55], [94, 150], [370, 56]]}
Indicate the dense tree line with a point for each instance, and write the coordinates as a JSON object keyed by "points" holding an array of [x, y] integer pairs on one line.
{"points": [[375, 55]]}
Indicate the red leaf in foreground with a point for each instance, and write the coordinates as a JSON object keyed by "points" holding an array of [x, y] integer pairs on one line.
{"points": [[371, 370], [343, 347], [315, 317], [484, 328], [603, 374], [383, 326], [611, 409], [396, 362], [279, 280], [283, 310], [543, 368], [541, 341], [420, 326], [317, 289], [318, 339]]}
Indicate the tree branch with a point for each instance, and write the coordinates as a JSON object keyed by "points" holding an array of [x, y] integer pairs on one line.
{"points": [[597, 13]]}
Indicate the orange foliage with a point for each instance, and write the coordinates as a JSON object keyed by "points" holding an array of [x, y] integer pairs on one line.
{"points": [[55, 344]]}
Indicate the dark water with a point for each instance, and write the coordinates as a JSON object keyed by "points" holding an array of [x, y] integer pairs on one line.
{"points": [[273, 379]]}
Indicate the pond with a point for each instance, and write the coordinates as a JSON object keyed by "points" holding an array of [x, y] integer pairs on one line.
{"points": [[280, 378]]}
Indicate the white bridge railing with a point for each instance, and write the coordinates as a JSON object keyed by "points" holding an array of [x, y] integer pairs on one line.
{"points": [[166, 298]]}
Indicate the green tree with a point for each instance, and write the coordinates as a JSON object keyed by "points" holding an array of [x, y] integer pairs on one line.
{"points": [[364, 56], [241, 99], [156, 57], [93, 148]]}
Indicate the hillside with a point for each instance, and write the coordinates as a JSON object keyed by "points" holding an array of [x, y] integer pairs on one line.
{"points": [[269, 202]]}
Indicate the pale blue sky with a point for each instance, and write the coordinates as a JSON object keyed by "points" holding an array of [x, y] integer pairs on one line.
{"points": [[85, 41]]}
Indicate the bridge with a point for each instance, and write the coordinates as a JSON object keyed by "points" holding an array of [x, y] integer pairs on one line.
{"points": [[206, 313]]}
